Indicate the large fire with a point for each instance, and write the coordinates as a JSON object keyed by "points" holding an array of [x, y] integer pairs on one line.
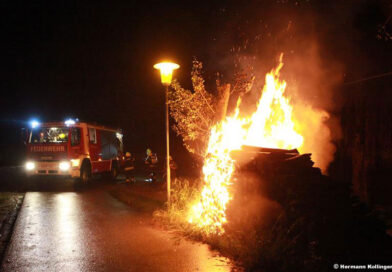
{"points": [[271, 125]]}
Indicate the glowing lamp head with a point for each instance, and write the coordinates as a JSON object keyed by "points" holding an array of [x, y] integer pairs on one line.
{"points": [[166, 69]]}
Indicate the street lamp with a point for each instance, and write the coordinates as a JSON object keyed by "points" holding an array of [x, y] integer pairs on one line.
{"points": [[166, 69]]}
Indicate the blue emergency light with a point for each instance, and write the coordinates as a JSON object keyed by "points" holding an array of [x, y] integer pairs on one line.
{"points": [[69, 122], [34, 123]]}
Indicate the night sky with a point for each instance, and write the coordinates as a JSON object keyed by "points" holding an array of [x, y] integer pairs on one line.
{"points": [[93, 60]]}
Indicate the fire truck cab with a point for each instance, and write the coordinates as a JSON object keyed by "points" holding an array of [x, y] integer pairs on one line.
{"points": [[73, 149]]}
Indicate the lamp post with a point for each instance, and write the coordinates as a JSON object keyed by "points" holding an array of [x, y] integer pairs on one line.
{"points": [[166, 69]]}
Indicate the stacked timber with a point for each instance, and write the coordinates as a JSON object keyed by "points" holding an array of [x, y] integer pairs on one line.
{"points": [[267, 161]]}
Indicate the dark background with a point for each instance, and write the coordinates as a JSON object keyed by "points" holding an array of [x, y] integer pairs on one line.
{"points": [[93, 61]]}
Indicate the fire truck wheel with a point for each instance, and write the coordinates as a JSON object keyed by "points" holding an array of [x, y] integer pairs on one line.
{"points": [[85, 173]]}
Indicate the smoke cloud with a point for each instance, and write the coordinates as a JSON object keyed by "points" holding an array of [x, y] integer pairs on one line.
{"points": [[312, 85]]}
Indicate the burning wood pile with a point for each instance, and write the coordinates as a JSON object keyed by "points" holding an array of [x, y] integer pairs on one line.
{"points": [[273, 161], [282, 176]]}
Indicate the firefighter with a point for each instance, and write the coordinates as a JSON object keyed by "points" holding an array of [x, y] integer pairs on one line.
{"points": [[148, 152], [151, 158], [151, 161], [129, 166]]}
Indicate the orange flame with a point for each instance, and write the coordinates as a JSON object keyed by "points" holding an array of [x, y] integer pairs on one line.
{"points": [[271, 125]]}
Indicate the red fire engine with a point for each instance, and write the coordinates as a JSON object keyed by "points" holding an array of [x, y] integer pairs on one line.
{"points": [[73, 149]]}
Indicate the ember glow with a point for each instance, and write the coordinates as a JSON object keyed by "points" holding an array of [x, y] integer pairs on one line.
{"points": [[271, 125]]}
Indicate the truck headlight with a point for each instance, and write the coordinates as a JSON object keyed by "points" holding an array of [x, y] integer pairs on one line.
{"points": [[64, 166], [30, 166]]}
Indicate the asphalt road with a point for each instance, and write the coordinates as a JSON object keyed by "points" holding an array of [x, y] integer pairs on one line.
{"points": [[91, 231]]}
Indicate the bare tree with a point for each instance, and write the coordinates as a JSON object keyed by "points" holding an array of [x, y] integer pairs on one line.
{"points": [[196, 111], [193, 112]]}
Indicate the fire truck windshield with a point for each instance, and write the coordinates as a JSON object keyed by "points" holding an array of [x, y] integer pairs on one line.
{"points": [[49, 135]]}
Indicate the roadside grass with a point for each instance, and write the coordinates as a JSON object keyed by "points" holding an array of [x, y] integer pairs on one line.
{"points": [[183, 195]]}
